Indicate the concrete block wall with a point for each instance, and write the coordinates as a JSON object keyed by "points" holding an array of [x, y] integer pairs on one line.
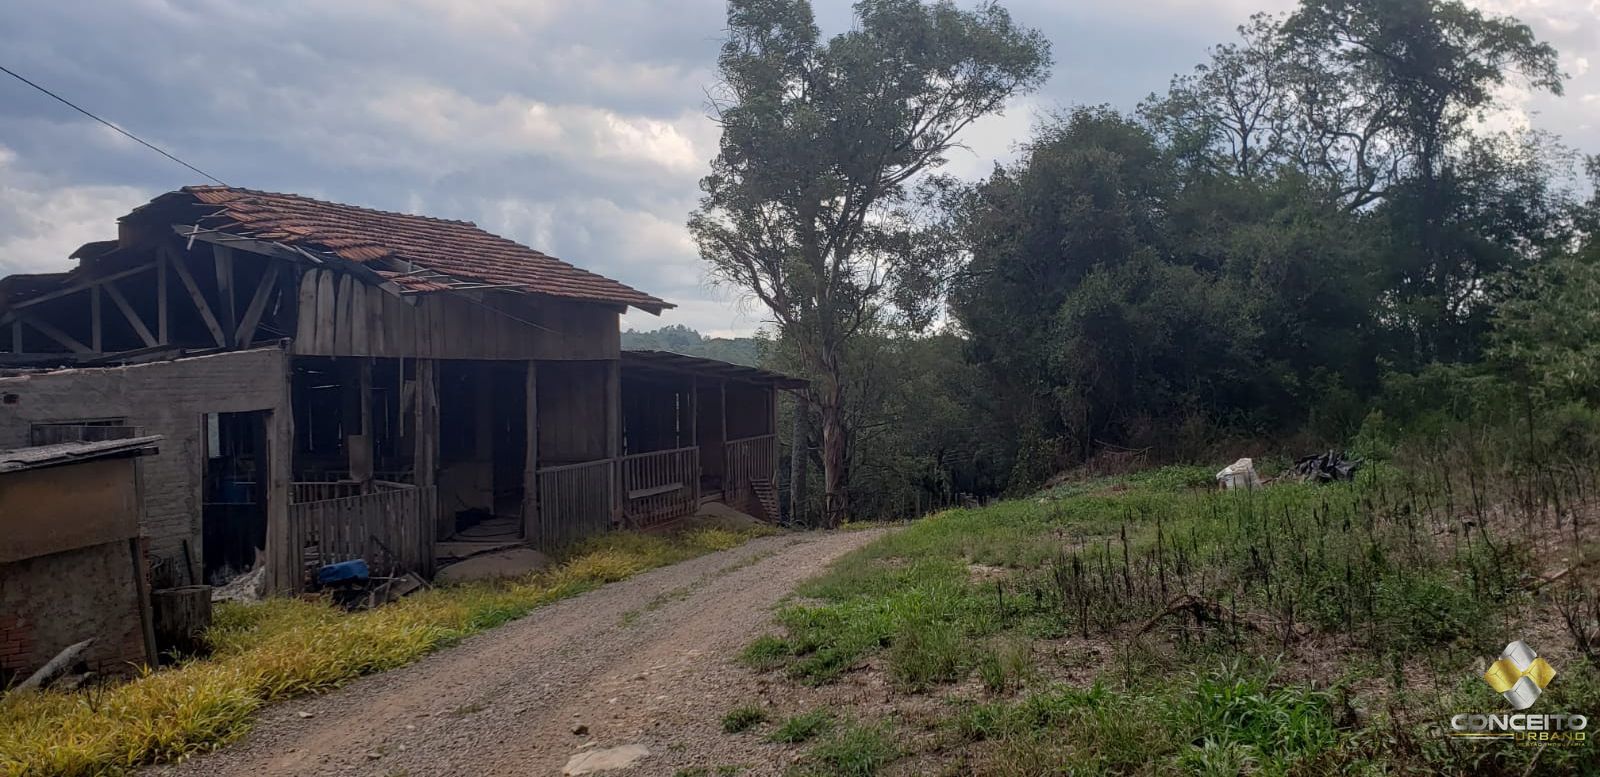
{"points": [[166, 398], [50, 602]]}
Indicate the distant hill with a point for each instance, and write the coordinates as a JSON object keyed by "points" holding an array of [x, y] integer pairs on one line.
{"points": [[681, 339]]}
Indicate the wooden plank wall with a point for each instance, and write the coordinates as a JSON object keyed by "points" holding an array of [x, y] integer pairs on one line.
{"points": [[573, 412], [339, 315]]}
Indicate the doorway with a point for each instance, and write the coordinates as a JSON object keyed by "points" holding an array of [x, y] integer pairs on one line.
{"points": [[233, 493]]}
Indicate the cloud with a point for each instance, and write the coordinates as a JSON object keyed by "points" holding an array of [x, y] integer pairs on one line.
{"points": [[577, 128], [42, 222]]}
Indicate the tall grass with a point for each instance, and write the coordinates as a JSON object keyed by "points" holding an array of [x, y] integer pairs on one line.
{"points": [[283, 648], [1401, 579]]}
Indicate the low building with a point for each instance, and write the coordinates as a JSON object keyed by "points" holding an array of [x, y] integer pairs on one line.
{"points": [[71, 564], [338, 382]]}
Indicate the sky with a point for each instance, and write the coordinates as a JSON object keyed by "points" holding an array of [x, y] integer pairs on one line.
{"points": [[578, 127]]}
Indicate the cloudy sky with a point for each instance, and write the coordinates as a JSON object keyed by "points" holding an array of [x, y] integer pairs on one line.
{"points": [[575, 126]]}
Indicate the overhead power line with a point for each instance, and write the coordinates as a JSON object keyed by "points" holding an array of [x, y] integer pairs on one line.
{"points": [[129, 135]]}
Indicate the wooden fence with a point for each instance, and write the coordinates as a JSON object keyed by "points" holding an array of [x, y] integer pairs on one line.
{"points": [[747, 459], [391, 527], [301, 491], [574, 501], [660, 485]]}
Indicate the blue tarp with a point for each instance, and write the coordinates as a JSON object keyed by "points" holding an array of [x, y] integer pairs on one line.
{"points": [[343, 572]]}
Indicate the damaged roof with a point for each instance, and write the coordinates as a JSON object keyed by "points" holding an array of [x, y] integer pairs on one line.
{"points": [[417, 253], [39, 456], [667, 361]]}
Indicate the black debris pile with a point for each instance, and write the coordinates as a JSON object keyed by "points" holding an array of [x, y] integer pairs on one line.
{"points": [[1325, 467]]}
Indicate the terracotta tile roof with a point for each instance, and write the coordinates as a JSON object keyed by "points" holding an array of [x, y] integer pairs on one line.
{"points": [[401, 245]]}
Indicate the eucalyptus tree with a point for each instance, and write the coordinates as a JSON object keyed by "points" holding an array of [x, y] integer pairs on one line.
{"points": [[808, 207]]}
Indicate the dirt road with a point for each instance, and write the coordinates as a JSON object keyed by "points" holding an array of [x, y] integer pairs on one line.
{"points": [[648, 661]]}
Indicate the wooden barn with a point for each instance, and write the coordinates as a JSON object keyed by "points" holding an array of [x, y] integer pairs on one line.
{"points": [[338, 382]]}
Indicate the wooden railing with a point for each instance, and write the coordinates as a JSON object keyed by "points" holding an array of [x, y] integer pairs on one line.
{"points": [[302, 491], [751, 457], [574, 501], [316, 487], [391, 527], [660, 485]]}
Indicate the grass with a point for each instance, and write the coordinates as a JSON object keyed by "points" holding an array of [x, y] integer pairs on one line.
{"points": [[802, 727], [852, 750], [1229, 632], [743, 718], [282, 648]]}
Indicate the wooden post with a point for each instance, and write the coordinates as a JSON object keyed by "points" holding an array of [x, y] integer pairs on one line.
{"points": [[694, 435], [141, 594], [425, 453], [283, 558], [694, 411], [182, 616], [530, 466], [614, 435], [359, 446], [16, 335]]}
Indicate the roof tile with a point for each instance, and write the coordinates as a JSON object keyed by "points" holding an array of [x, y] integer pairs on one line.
{"points": [[459, 249]]}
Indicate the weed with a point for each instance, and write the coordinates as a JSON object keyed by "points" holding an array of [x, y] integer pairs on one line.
{"points": [[766, 652], [926, 652], [743, 718], [1005, 665], [854, 750], [802, 728]]}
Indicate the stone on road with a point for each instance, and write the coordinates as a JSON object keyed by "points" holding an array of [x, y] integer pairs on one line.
{"points": [[604, 760]]}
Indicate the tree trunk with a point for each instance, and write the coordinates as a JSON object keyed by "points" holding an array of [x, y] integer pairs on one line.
{"points": [[830, 404]]}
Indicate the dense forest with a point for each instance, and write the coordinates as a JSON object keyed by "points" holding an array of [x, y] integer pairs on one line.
{"points": [[1319, 237], [678, 338]]}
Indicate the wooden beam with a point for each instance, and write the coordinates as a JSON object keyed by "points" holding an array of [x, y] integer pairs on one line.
{"points": [[131, 315], [292, 254], [195, 296], [222, 258], [81, 286], [258, 305], [56, 334], [162, 336], [96, 333]]}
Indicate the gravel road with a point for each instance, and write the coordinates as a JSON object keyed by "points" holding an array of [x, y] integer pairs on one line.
{"points": [[647, 661]]}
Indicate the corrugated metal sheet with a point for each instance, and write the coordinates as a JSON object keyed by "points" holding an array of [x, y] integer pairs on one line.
{"points": [[71, 452]]}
